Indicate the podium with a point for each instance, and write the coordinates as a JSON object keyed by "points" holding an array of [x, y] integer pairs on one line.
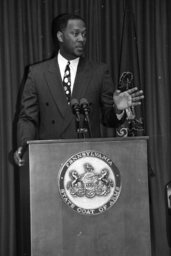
{"points": [[60, 227]]}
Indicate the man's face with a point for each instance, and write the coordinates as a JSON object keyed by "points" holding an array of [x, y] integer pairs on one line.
{"points": [[73, 39]]}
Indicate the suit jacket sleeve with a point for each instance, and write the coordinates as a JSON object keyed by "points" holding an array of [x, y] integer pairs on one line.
{"points": [[29, 112], [109, 117]]}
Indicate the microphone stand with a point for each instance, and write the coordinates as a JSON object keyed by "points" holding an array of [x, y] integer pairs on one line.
{"points": [[78, 127], [85, 106], [76, 111]]}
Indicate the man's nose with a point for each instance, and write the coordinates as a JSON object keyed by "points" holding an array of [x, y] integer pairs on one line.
{"points": [[81, 38]]}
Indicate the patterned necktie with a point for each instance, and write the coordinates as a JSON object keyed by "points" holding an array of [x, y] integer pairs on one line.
{"points": [[67, 82]]}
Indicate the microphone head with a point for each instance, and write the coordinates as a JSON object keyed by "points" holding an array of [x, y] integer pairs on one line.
{"points": [[74, 102], [84, 101]]}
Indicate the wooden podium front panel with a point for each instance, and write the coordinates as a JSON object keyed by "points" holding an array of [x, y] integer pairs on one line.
{"points": [[57, 230]]}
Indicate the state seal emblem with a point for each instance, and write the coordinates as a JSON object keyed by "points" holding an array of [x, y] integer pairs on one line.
{"points": [[89, 182]]}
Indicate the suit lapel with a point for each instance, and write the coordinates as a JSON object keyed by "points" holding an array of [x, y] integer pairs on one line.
{"points": [[54, 82], [82, 80]]}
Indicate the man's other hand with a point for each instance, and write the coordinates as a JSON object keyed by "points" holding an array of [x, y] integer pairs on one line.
{"points": [[18, 157], [126, 99]]}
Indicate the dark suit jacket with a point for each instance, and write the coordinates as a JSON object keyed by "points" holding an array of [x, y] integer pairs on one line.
{"points": [[45, 113]]}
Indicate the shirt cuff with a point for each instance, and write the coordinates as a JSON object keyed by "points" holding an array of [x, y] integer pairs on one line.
{"points": [[119, 116]]}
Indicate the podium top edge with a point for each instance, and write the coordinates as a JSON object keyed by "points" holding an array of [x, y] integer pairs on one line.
{"points": [[88, 140]]}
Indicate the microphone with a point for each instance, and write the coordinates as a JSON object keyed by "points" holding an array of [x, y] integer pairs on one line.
{"points": [[76, 108], [86, 109]]}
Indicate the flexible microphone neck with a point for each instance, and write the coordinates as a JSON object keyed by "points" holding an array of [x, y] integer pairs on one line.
{"points": [[86, 109], [76, 108]]}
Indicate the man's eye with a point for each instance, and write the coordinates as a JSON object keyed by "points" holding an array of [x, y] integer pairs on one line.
{"points": [[75, 34]]}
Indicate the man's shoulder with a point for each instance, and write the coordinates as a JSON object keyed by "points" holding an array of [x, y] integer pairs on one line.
{"points": [[93, 64], [43, 65]]}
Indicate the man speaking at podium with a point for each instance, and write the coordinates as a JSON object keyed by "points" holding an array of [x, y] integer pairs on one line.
{"points": [[58, 90]]}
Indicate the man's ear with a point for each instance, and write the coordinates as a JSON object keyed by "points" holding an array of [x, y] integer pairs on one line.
{"points": [[59, 36]]}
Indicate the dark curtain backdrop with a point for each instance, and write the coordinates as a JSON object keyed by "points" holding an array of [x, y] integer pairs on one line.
{"points": [[25, 38]]}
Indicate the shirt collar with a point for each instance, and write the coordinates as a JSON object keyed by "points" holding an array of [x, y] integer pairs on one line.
{"points": [[64, 61]]}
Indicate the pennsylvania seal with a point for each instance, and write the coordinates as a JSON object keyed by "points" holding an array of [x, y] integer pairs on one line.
{"points": [[89, 182]]}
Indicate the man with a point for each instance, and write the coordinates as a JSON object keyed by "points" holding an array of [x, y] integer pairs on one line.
{"points": [[46, 111]]}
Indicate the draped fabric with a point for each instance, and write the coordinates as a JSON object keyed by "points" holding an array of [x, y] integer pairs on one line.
{"points": [[129, 75], [25, 38]]}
